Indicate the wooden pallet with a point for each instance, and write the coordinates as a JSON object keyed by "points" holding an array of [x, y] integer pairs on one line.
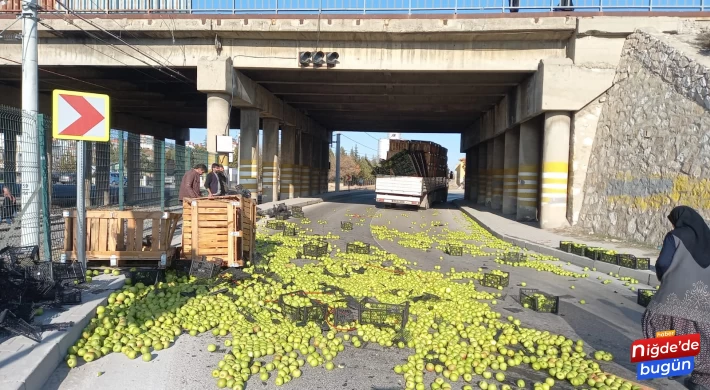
{"points": [[220, 228], [118, 236]]}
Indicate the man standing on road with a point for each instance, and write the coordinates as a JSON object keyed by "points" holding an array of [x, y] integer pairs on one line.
{"points": [[190, 185], [215, 181]]}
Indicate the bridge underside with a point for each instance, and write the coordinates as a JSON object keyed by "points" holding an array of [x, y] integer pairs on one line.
{"points": [[338, 100]]}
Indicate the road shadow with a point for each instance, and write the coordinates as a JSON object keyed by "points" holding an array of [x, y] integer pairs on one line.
{"points": [[629, 312]]}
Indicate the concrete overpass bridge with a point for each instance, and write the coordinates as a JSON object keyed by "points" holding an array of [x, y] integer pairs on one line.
{"points": [[513, 85]]}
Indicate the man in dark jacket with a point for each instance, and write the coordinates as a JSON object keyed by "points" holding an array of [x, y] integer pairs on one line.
{"points": [[190, 184], [216, 182]]}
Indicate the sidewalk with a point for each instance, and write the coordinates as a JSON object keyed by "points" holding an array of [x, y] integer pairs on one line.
{"points": [[547, 242], [25, 364]]}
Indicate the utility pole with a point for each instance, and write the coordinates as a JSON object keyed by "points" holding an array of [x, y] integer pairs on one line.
{"points": [[29, 146], [337, 162]]}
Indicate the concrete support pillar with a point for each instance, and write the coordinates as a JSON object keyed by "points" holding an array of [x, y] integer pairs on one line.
{"points": [[470, 184], [528, 171], [288, 162], [324, 167], [482, 179], [490, 169], [555, 168], [305, 165], [510, 171], [314, 165], [298, 162], [249, 150], [219, 106], [498, 162], [270, 169]]}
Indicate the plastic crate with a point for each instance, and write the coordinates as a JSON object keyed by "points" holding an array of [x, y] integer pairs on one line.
{"points": [[578, 249], [315, 249], [384, 314], [357, 247], [146, 276], [316, 312], [297, 214], [644, 296], [609, 258], [41, 271], [203, 269], [20, 255], [69, 296], [514, 257], [346, 225], [181, 267], [40, 290], [495, 280], [345, 316], [290, 231], [296, 209], [275, 225], [69, 272], [633, 262], [12, 292], [566, 246], [539, 301], [281, 217], [11, 323], [454, 250], [593, 253]]}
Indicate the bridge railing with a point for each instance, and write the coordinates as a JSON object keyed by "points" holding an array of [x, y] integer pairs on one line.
{"points": [[217, 7]]}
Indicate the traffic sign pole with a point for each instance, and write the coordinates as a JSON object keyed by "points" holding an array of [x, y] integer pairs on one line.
{"points": [[80, 205]]}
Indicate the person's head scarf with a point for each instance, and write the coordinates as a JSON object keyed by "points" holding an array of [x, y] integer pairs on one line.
{"points": [[691, 229]]}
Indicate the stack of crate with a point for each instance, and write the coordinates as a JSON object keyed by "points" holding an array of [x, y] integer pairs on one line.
{"points": [[420, 158]]}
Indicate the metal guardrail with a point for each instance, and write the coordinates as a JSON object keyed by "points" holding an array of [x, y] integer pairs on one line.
{"points": [[407, 7]]}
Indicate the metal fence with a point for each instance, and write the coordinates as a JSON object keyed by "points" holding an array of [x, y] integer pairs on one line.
{"points": [[130, 171], [355, 6]]}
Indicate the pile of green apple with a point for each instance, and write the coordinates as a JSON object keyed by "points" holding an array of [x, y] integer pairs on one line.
{"points": [[455, 338]]}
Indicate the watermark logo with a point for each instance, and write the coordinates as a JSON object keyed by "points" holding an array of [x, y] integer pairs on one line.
{"points": [[665, 355]]}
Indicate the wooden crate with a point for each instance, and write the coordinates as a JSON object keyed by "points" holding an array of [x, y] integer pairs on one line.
{"points": [[118, 236], [219, 228]]}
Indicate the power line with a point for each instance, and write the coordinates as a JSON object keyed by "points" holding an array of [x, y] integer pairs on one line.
{"points": [[372, 137], [365, 146]]}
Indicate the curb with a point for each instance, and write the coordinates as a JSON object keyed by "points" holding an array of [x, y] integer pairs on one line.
{"points": [[644, 277], [36, 363]]}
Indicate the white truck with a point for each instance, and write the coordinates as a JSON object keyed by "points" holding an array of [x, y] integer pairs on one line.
{"points": [[411, 190]]}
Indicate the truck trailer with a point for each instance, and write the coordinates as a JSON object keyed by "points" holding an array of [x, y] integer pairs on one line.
{"points": [[415, 173]]}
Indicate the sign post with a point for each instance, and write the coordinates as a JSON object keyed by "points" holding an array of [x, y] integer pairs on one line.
{"points": [[80, 116]]}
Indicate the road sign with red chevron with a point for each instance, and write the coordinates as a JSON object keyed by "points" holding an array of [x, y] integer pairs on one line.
{"points": [[80, 116]]}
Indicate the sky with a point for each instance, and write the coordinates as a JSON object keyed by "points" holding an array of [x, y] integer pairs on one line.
{"points": [[367, 142]]}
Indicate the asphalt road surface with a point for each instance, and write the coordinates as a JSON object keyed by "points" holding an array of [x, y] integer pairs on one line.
{"points": [[610, 320]]}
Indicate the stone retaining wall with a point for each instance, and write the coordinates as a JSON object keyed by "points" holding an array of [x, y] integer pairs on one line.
{"points": [[651, 150]]}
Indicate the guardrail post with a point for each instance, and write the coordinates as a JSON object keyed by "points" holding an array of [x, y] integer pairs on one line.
{"points": [[44, 185]]}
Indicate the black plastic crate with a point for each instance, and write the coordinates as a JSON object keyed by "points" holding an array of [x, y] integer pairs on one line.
{"points": [[281, 217], [633, 262], [611, 258], [315, 249], [40, 290], [146, 276], [514, 257], [454, 250], [593, 253], [11, 323], [644, 296], [69, 296], [566, 246], [316, 312], [346, 225], [275, 225], [345, 316], [495, 280], [203, 269], [181, 267], [69, 272], [290, 231], [40, 271], [12, 292], [357, 247], [384, 314], [539, 301], [297, 214], [20, 255], [578, 249], [296, 209]]}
